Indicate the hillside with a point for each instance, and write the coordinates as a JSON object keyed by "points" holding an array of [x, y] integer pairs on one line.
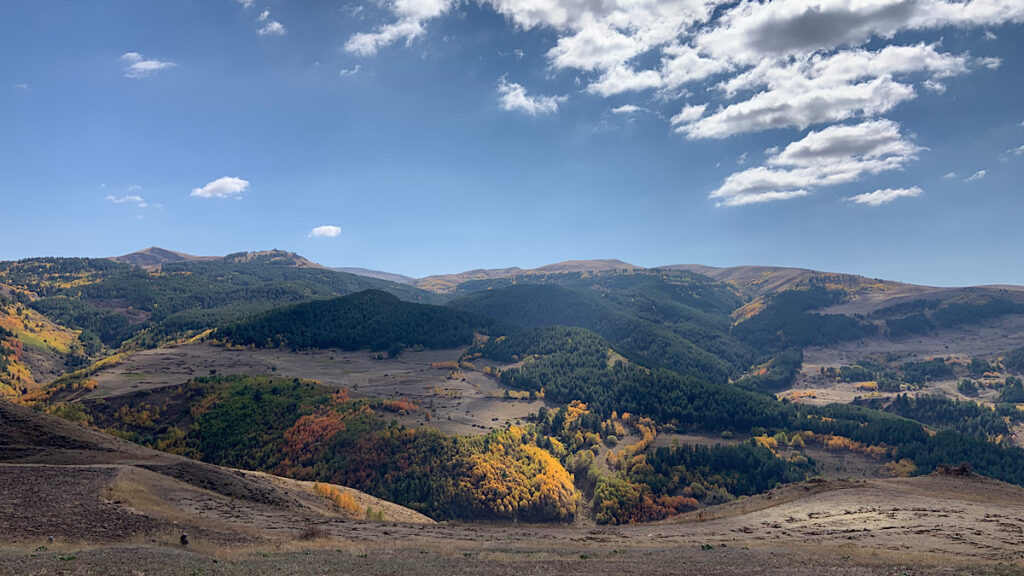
{"points": [[70, 483], [680, 322], [370, 319], [112, 302], [77, 501], [586, 371]]}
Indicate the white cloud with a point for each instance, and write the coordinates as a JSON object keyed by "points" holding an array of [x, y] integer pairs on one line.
{"points": [[263, 16], [130, 198], [324, 232], [683, 64], [596, 47], [817, 90], [949, 176], [689, 114], [411, 16], [349, 71], [884, 196], [990, 63], [246, 3], [935, 86], [976, 176], [1018, 151], [829, 157], [628, 109], [23, 86], [624, 79], [226, 187], [272, 28], [513, 97], [777, 64], [137, 66], [691, 40], [751, 31]]}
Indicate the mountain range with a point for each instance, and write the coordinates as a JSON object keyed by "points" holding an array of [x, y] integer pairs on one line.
{"points": [[583, 389]]}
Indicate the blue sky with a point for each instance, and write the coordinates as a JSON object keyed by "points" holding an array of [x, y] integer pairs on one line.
{"points": [[881, 137]]}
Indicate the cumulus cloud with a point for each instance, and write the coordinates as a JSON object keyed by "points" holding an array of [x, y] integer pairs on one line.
{"points": [[272, 28], [226, 187], [411, 14], [627, 109], [751, 30], [513, 97], [692, 40], [976, 176], [884, 196], [744, 66], [829, 157], [1018, 151], [949, 176], [624, 79], [246, 3], [349, 71], [324, 232], [137, 66], [689, 114], [818, 90]]}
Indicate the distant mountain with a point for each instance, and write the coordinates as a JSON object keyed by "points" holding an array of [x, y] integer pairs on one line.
{"points": [[448, 283], [390, 277], [273, 257], [864, 295], [153, 257], [113, 300]]}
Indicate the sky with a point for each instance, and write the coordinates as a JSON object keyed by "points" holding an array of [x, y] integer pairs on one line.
{"points": [[876, 137]]}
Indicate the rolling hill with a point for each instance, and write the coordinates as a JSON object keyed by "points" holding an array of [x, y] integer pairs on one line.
{"points": [[611, 356], [370, 319], [67, 482]]}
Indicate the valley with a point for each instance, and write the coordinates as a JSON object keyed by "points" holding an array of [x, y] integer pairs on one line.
{"points": [[110, 505], [506, 420]]}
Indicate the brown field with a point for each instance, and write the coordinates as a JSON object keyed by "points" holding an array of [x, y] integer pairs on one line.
{"points": [[473, 405], [78, 502]]}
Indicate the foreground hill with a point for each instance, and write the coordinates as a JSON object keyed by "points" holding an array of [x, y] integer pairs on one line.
{"points": [[77, 501], [64, 481]]}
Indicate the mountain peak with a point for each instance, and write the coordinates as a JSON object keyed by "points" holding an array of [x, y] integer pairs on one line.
{"points": [[154, 257]]}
